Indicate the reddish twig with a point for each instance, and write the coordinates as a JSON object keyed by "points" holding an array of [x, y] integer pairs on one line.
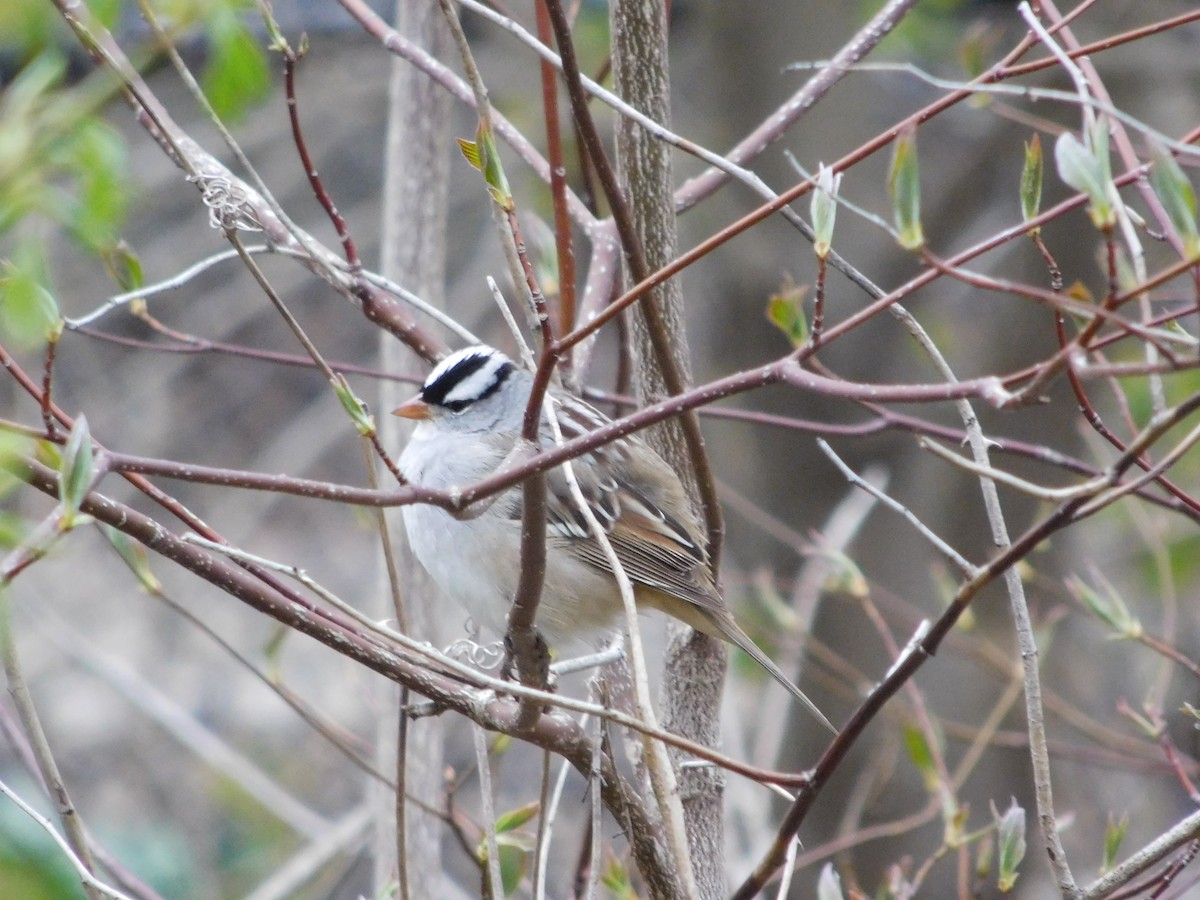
{"points": [[558, 184], [631, 242], [47, 403], [290, 60]]}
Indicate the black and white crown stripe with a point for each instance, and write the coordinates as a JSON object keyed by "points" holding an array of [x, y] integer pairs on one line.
{"points": [[474, 373], [466, 376]]}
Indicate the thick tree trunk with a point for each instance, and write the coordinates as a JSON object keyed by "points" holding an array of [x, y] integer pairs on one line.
{"points": [[695, 664]]}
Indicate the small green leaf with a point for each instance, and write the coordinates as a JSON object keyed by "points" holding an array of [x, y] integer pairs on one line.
{"points": [[1114, 834], [1175, 191], [77, 472], [972, 51], [824, 209], [275, 38], [124, 266], [99, 162], [904, 186], [1010, 838], [1031, 179], [513, 850], [13, 529], [955, 815], [844, 576], [514, 819], [237, 75], [493, 169], [470, 150], [363, 420], [616, 878], [107, 12], [921, 755], [1086, 168], [484, 155], [785, 310], [28, 312], [135, 556], [14, 449], [829, 885], [513, 863], [1107, 605]]}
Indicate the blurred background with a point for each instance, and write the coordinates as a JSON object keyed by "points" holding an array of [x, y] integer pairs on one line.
{"points": [[205, 783]]}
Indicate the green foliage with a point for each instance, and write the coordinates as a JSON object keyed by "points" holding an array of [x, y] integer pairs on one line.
{"points": [[237, 75], [13, 527], [1011, 841], [354, 407], [1177, 196], [103, 191], [921, 755], [515, 818], [1086, 167], [484, 155], [1114, 834], [57, 159], [785, 310], [1107, 604], [616, 878], [135, 556], [1031, 179], [124, 266], [32, 867], [824, 209], [27, 27], [931, 29], [77, 472], [513, 846], [904, 186], [28, 312]]}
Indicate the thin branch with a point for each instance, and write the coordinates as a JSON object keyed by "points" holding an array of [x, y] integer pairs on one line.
{"points": [[631, 243], [91, 884], [963, 565], [1186, 830], [79, 849], [495, 888]]}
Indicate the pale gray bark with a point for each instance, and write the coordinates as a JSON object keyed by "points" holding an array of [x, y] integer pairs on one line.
{"points": [[413, 253]]}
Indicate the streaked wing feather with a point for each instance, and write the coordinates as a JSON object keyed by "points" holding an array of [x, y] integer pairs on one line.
{"points": [[655, 548]]}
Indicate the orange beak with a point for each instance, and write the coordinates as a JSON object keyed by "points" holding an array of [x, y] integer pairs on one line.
{"points": [[416, 409]]}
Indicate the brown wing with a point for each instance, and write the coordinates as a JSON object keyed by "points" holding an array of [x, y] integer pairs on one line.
{"points": [[640, 504], [642, 507]]}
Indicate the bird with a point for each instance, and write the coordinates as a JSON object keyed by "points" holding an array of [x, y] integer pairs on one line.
{"points": [[469, 414]]}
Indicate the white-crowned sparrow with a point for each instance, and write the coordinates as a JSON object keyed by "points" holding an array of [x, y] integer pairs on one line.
{"points": [[469, 414]]}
